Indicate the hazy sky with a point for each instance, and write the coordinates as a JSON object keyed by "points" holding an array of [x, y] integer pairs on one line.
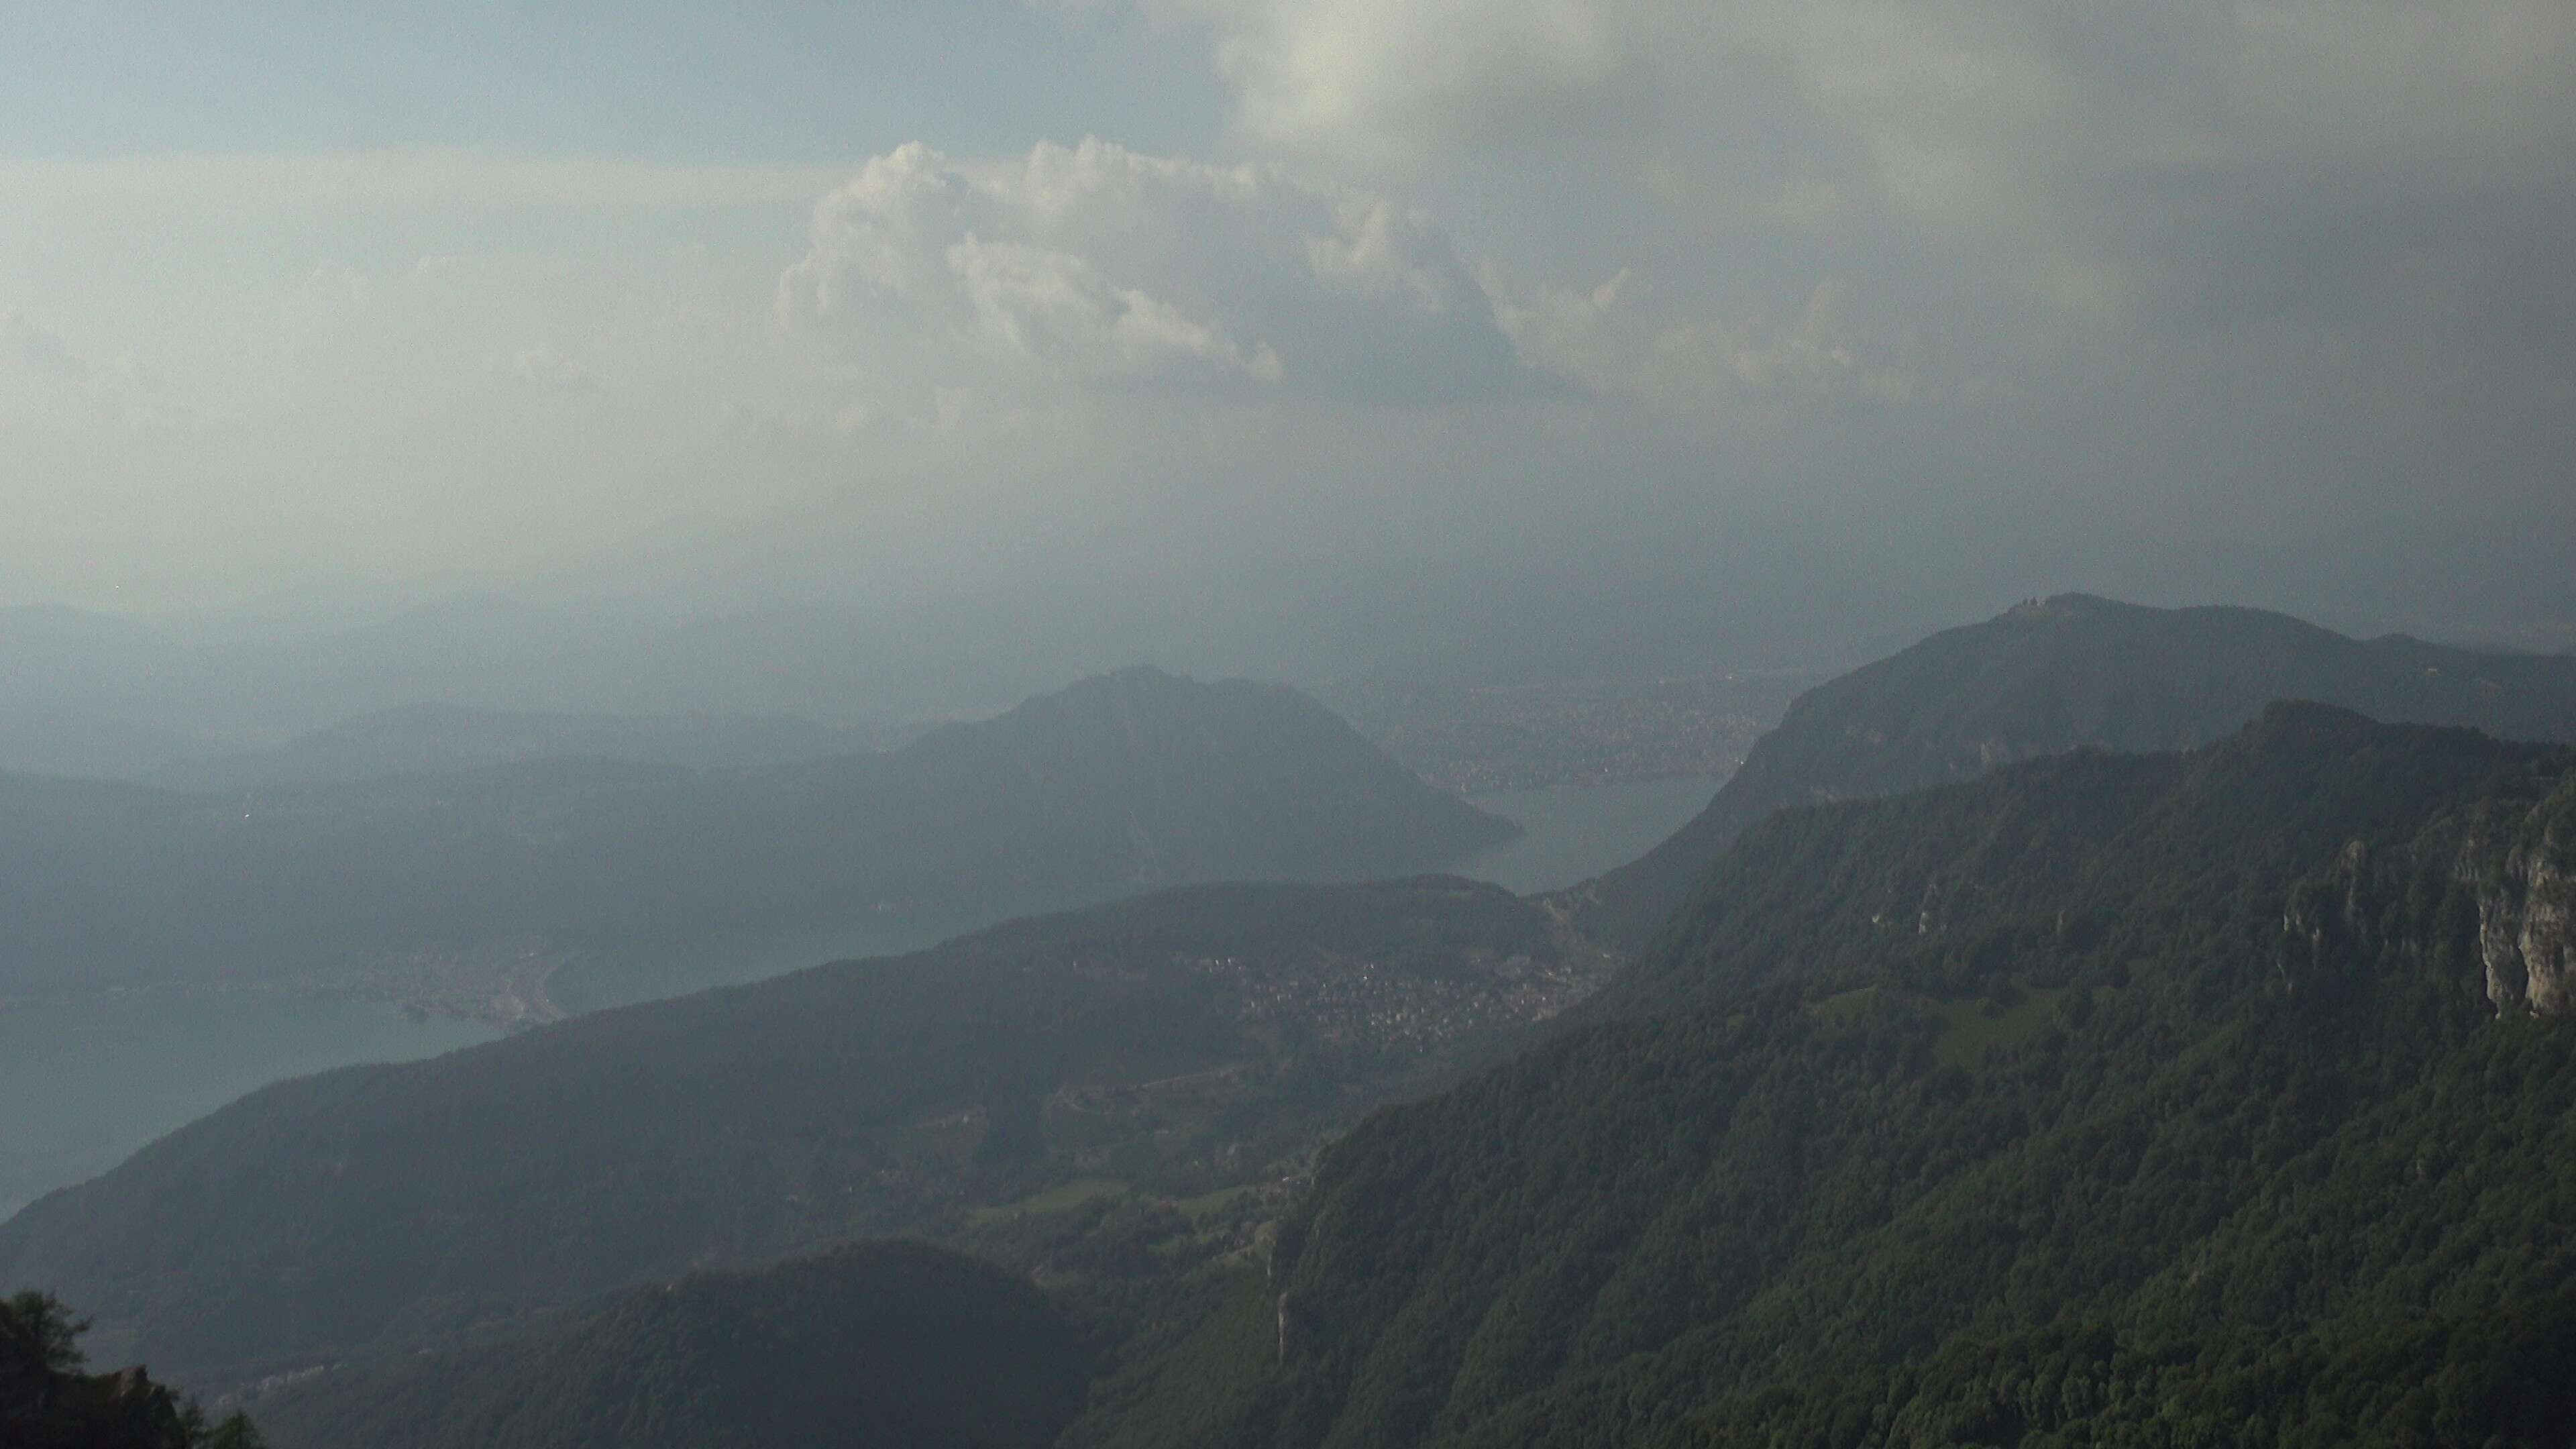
{"points": [[885, 300]]}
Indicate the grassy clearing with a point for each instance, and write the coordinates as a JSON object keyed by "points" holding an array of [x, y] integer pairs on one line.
{"points": [[1215, 1202], [1843, 1006], [1968, 1031], [1062, 1197]]}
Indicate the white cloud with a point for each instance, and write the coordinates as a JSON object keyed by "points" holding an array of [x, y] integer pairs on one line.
{"points": [[1041, 305], [1617, 342], [1095, 264], [1916, 87], [1432, 72], [2217, 259]]}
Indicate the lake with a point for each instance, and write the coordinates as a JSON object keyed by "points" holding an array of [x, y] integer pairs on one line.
{"points": [[1570, 833], [83, 1085], [1575, 832], [602, 979]]}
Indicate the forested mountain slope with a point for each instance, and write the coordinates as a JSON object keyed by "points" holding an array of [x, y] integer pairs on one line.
{"points": [[874, 1346], [2219, 1097], [2062, 673], [1118, 784], [1186, 1043]]}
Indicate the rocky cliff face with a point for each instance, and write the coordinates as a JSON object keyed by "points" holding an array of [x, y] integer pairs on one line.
{"points": [[2527, 917], [2496, 886]]}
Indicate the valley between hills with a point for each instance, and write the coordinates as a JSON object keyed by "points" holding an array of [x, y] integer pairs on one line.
{"points": [[2045, 1017]]}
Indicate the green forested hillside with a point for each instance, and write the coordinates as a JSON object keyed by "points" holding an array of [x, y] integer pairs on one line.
{"points": [[2182, 1100], [1118, 784], [876, 1346], [2062, 673], [1180, 1046]]}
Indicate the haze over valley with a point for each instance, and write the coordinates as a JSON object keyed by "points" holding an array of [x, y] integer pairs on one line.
{"points": [[1288, 724]]}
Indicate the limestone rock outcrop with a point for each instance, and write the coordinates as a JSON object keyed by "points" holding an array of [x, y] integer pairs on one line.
{"points": [[2527, 915], [2496, 887]]}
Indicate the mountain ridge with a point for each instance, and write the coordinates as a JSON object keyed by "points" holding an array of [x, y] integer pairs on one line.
{"points": [[2054, 674]]}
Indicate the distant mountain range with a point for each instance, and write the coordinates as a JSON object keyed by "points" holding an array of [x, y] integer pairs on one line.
{"points": [[94, 694], [419, 739], [2224, 1096], [485, 652], [2063, 673], [210, 686], [1118, 784], [881, 1344]]}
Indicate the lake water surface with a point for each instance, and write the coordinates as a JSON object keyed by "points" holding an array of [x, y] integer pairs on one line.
{"points": [[83, 1085], [1575, 832], [1570, 834], [603, 979]]}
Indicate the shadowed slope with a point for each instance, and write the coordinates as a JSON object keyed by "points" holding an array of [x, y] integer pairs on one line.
{"points": [[876, 1346]]}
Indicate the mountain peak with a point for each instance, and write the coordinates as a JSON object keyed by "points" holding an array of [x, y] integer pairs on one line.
{"points": [[1131, 676], [2063, 606]]}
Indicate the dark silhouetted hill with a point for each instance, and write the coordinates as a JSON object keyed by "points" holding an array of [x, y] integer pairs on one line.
{"points": [[48, 1400], [875, 1346]]}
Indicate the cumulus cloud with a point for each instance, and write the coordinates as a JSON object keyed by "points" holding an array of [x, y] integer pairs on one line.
{"points": [[1096, 265], [1616, 341]]}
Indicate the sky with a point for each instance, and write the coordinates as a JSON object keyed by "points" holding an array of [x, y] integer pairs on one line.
{"points": [[1932, 302]]}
